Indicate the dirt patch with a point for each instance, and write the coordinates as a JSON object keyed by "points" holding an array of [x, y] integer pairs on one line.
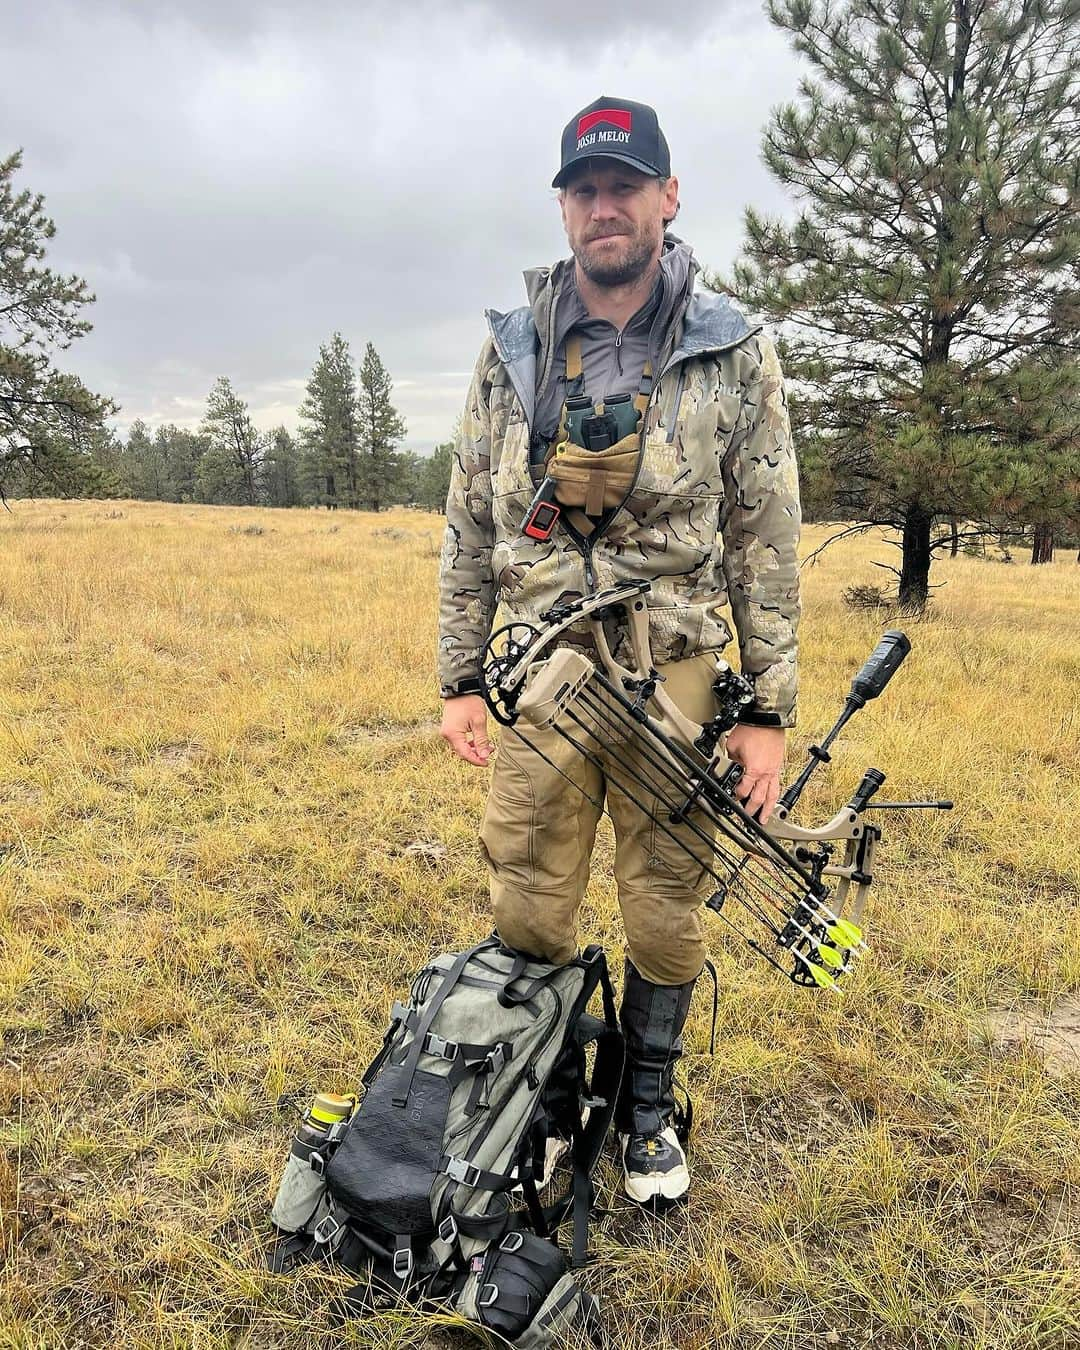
{"points": [[1055, 1034], [385, 734], [180, 752]]}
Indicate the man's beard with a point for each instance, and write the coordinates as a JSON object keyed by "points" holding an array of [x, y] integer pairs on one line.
{"points": [[617, 271]]}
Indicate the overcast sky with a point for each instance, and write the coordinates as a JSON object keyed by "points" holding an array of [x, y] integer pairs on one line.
{"points": [[237, 180]]}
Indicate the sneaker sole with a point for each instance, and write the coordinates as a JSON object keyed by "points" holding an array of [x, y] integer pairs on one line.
{"points": [[664, 1187]]}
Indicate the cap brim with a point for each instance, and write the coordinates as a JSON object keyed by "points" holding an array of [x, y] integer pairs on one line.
{"points": [[560, 178]]}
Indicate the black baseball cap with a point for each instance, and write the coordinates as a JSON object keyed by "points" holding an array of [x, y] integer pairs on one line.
{"points": [[616, 129]]}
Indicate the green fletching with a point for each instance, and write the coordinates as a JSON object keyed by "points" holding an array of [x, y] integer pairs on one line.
{"points": [[831, 957], [821, 976], [845, 934]]}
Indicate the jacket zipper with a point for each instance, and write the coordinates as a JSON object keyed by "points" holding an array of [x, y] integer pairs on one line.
{"points": [[674, 417]]}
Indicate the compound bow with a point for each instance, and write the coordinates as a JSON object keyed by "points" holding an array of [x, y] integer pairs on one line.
{"points": [[773, 875]]}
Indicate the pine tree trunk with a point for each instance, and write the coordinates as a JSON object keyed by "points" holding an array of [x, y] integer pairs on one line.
{"points": [[1042, 545], [954, 542], [915, 568]]}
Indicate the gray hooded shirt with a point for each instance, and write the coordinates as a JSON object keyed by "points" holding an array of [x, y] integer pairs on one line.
{"points": [[612, 360]]}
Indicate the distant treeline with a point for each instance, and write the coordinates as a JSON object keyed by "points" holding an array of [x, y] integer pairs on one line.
{"points": [[344, 454]]}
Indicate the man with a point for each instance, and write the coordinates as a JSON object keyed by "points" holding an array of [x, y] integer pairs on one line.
{"points": [[710, 514]]}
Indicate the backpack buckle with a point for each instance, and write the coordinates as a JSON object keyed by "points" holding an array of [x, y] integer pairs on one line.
{"points": [[440, 1046], [403, 1263], [327, 1229], [448, 1230], [457, 1169], [317, 1163], [484, 1299], [498, 1057], [512, 1242]]}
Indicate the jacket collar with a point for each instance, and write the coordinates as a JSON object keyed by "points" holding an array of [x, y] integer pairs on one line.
{"points": [[710, 324]]}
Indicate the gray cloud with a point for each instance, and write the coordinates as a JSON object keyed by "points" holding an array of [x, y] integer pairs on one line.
{"points": [[238, 181]]}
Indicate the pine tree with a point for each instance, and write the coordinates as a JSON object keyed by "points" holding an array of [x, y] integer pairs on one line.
{"points": [[434, 478], [144, 464], [46, 417], [1033, 416], [407, 486], [381, 430], [938, 161], [281, 477], [106, 454], [329, 418], [229, 469], [181, 451]]}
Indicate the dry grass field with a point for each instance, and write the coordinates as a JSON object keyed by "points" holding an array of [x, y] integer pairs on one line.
{"points": [[217, 744]]}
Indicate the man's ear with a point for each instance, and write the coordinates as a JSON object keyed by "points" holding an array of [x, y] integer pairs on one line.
{"points": [[562, 204], [670, 198]]}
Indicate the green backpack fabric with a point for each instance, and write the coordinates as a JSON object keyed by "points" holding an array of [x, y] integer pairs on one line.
{"points": [[431, 1190]]}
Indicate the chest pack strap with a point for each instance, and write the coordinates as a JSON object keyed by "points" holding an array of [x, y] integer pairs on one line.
{"points": [[575, 371], [575, 379], [591, 483]]}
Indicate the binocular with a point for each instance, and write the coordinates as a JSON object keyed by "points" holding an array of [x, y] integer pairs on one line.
{"points": [[594, 430]]}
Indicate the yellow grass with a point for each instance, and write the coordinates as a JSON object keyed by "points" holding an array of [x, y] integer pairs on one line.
{"points": [[215, 747]]}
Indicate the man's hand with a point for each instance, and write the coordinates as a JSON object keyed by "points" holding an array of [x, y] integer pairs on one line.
{"points": [[464, 727], [760, 750]]}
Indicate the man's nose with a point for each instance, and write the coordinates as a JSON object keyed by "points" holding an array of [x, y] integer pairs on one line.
{"points": [[604, 206]]}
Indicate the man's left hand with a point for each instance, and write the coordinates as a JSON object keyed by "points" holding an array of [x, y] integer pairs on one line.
{"points": [[760, 750]]}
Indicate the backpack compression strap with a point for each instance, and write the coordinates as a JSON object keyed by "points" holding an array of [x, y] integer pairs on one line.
{"points": [[450, 979]]}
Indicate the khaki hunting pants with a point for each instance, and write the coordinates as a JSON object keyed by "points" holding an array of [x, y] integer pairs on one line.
{"points": [[537, 836]]}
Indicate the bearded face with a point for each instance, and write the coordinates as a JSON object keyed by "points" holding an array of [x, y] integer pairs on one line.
{"points": [[614, 218]]}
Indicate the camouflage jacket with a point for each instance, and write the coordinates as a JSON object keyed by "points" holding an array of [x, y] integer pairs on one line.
{"points": [[711, 519]]}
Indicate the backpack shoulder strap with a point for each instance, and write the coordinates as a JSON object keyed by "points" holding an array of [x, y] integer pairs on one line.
{"points": [[588, 1141]]}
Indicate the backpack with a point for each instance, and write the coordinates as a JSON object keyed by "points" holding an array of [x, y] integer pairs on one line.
{"points": [[431, 1189]]}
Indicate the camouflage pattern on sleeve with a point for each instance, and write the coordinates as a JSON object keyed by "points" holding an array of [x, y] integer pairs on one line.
{"points": [[760, 525], [466, 585]]}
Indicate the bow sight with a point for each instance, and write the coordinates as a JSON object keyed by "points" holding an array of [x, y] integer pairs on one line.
{"points": [[771, 876]]}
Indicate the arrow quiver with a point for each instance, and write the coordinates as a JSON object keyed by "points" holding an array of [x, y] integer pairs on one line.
{"points": [[794, 894]]}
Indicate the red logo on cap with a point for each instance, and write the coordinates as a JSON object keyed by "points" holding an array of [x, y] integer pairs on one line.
{"points": [[618, 117]]}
